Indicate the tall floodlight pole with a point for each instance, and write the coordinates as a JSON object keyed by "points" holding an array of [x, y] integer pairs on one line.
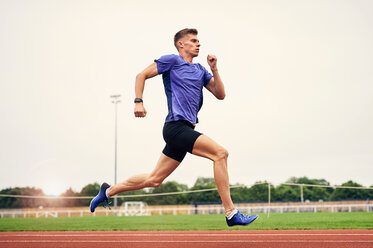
{"points": [[115, 101]]}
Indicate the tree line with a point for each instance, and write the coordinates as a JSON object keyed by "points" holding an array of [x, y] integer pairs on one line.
{"points": [[255, 193]]}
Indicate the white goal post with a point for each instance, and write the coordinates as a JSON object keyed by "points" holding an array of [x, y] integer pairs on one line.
{"points": [[134, 208]]}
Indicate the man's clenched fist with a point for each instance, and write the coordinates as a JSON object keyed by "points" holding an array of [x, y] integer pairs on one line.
{"points": [[211, 60], [139, 110]]}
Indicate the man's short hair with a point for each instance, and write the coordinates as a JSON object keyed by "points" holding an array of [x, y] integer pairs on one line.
{"points": [[182, 33]]}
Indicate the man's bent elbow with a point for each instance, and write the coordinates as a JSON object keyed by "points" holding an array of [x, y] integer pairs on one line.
{"points": [[221, 96], [140, 76]]}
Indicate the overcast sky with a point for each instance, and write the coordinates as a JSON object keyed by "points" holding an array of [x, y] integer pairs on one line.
{"points": [[298, 78]]}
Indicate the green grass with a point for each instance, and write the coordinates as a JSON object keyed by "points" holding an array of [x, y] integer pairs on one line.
{"points": [[354, 220]]}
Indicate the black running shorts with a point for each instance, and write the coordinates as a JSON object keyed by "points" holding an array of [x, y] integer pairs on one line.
{"points": [[180, 137]]}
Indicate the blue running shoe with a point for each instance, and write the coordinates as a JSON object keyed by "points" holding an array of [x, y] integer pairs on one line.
{"points": [[241, 219], [101, 197]]}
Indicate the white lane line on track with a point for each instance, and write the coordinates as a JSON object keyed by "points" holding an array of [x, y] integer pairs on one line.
{"points": [[183, 235], [186, 241]]}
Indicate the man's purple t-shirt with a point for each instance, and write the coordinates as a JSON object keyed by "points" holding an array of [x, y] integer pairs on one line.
{"points": [[183, 84]]}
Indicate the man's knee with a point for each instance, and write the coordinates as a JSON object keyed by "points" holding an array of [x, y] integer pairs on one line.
{"points": [[221, 154], [154, 182]]}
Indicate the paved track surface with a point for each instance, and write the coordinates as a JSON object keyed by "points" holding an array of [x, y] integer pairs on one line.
{"points": [[191, 239]]}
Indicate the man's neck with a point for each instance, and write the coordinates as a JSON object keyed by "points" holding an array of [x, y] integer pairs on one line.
{"points": [[187, 57]]}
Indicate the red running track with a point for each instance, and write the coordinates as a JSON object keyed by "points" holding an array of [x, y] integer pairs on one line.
{"points": [[191, 239]]}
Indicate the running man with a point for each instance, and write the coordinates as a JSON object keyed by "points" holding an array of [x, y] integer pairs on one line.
{"points": [[183, 82]]}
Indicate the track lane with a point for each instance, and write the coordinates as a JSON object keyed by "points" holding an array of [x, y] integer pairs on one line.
{"points": [[207, 239]]}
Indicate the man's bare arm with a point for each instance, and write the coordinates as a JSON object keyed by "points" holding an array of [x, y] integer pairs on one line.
{"points": [[215, 86], [149, 72]]}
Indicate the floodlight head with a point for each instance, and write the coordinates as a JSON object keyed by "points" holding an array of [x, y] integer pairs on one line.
{"points": [[115, 96]]}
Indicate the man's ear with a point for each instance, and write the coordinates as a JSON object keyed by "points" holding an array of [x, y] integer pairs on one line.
{"points": [[180, 44]]}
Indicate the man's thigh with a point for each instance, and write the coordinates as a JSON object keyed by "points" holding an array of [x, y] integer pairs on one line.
{"points": [[165, 166], [206, 147]]}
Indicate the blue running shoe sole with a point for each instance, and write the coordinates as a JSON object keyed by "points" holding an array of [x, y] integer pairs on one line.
{"points": [[100, 198]]}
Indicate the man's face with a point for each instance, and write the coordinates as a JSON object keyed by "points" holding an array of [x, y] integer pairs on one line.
{"points": [[190, 44]]}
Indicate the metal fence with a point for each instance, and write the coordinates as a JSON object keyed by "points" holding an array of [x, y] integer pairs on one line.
{"points": [[191, 209]]}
